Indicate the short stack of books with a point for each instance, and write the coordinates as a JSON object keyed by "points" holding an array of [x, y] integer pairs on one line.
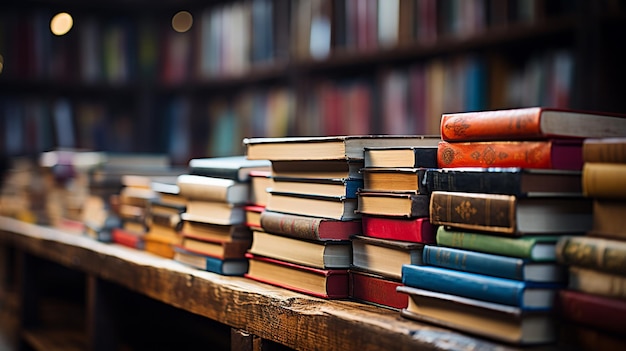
{"points": [[395, 223], [215, 237], [508, 189], [311, 214], [594, 303]]}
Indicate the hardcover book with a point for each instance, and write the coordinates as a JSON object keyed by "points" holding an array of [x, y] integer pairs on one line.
{"points": [[320, 169], [222, 250], [215, 232], [525, 295], [393, 204], [158, 247], [604, 180], [307, 227], [317, 254], [596, 282], [237, 168], [253, 216], [521, 182], [510, 215], [532, 247], [324, 283], [318, 187], [393, 180], [608, 219], [327, 147], [384, 257], [530, 123], [127, 238], [376, 289], [496, 321], [260, 182], [194, 187], [494, 265], [417, 230], [603, 254], [542, 154], [211, 264], [605, 150], [401, 157], [340, 208], [595, 311], [215, 212]]}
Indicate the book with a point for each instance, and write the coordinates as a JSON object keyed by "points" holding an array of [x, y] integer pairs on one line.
{"points": [[417, 230], [605, 150], [324, 283], [307, 227], [521, 182], [530, 123], [158, 247], [335, 187], [344, 147], [542, 154], [215, 212], [608, 218], [211, 264], [214, 232], [222, 250], [194, 187], [511, 215], [400, 157], [494, 265], [253, 216], [525, 295], [384, 257], [168, 193], [338, 207], [375, 289], [236, 168], [604, 180], [532, 247], [393, 204], [317, 254], [393, 180], [260, 182], [591, 310], [496, 321], [127, 238], [607, 255], [596, 282], [318, 169]]}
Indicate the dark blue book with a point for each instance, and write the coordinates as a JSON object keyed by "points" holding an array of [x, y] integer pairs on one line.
{"points": [[494, 265], [211, 264], [525, 295]]}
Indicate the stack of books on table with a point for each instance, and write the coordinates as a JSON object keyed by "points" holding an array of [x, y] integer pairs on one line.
{"points": [[304, 244], [509, 188], [594, 303], [24, 192], [260, 184], [395, 223], [215, 237], [164, 218]]}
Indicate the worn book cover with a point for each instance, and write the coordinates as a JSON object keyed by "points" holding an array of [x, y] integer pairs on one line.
{"points": [[605, 150], [603, 254], [308, 227], [376, 289]]}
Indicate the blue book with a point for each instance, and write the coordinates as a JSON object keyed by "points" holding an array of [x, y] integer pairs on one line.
{"points": [[525, 295], [494, 265], [211, 264]]}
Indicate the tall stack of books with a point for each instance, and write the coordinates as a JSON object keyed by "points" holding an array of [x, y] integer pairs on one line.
{"points": [[394, 209], [215, 237], [164, 217], [304, 244], [508, 189], [594, 302]]}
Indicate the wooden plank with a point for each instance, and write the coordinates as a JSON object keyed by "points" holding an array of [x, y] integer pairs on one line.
{"points": [[101, 332], [295, 320]]}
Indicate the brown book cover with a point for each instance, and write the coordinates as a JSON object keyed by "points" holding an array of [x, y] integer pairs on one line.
{"points": [[604, 180], [605, 150], [308, 228], [603, 254], [609, 219], [221, 250]]}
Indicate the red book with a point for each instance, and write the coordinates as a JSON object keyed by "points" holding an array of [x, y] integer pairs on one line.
{"points": [[530, 123], [308, 228], [417, 230], [540, 154], [128, 238], [325, 283], [376, 289], [602, 312]]}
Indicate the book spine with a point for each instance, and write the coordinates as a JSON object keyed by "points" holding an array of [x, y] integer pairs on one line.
{"points": [[491, 125], [475, 286], [609, 219], [420, 205], [526, 154], [214, 265], [489, 212], [601, 151], [474, 262], [595, 282], [604, 180], [292, 226], [474, 182], [513, 247], [596, 311], [418, 230], [592, 252], [221, 172], [376, 290], [235, 249]]}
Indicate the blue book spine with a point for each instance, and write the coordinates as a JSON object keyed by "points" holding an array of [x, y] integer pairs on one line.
{"points": [[474, 262], [471, 285], [215, 265], [352, 186]]}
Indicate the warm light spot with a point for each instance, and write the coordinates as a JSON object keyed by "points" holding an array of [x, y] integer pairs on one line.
{"points": [[1, 63], [61, 23], [182, 21]]}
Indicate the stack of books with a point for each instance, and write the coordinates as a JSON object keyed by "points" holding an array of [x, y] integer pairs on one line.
{"points": [[260, 183], [508, 189], [215, 237], [23, 192], [394, 209], [304, 244], [594, 303], [164, 218]]}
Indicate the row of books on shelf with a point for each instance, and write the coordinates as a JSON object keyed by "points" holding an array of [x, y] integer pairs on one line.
{"points": [[503, 244]]}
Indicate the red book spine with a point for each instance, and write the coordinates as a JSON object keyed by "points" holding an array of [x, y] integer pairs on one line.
{"points": [[417, 230], [492, 125], [376, 290], [544, 154], [123, 237], [593, 310]]}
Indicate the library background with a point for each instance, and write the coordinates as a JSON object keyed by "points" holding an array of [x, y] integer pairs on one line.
{"points": [[174, 81]]}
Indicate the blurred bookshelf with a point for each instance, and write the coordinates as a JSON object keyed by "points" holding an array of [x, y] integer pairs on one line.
{"points": [[123, 79]]}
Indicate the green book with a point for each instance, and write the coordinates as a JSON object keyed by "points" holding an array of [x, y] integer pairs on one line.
{"points": [[531, 247]]}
